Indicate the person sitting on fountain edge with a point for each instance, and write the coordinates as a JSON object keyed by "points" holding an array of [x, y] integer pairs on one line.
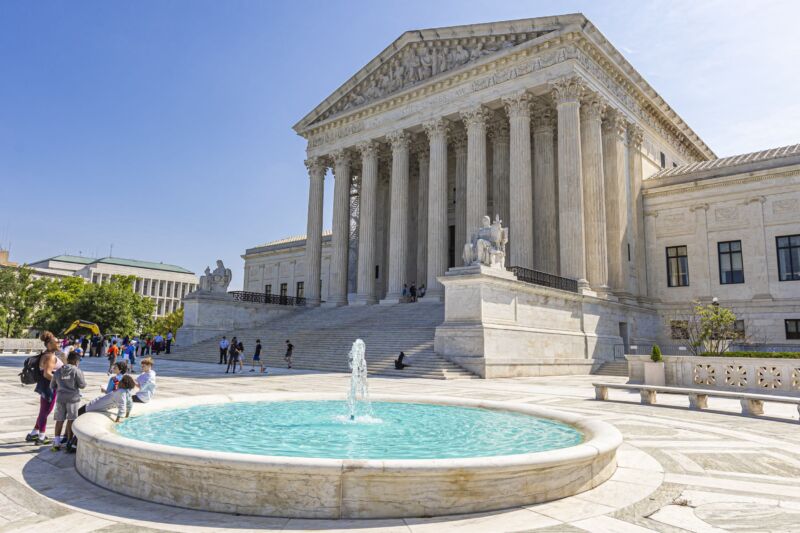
{"points": [[398, 363]]}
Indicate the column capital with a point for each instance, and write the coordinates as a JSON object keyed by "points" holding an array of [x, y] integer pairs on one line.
{"points": [[420, 148], [459, 140], [341, 158], [635, 136], [368, 148], [316, 167], [543, 119], [399, 140], [499, 129], [615, 123], [475, 116], [518, 104], [592, 107], [436, 127], [568, 89]]}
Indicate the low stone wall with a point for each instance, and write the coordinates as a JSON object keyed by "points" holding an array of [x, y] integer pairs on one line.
{"points": [[20, 345], [741, 374], [496, 326], [210, 315]]}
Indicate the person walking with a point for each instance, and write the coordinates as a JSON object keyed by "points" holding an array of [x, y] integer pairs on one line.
{"points": [[233, 355], [112, 353], [170, 336], [413, 292], [68, 381], [48, 363], [257, 357], [223, 350], [85, 345], [288, 356], [240, 349]]}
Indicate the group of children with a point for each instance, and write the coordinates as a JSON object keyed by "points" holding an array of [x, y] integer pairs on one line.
{"points": [[60, 386]]}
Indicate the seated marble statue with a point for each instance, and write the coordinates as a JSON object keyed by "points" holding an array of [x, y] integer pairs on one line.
{"points": [[216, 281], [488, 245]]}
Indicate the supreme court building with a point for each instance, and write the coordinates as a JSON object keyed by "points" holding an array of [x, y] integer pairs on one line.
{"points": [[542, 122]]}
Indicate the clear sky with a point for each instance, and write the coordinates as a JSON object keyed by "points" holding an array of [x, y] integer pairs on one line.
{"points": [[164, 127]]}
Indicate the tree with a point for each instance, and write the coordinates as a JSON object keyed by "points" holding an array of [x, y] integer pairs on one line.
{"points": [[170, 322], [60, 298], [115, 307], [20, 297], [707, 329]]}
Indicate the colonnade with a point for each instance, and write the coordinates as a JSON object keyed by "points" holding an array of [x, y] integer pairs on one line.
{"points": [[559, 171]]}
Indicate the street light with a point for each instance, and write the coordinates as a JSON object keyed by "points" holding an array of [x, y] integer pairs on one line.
{"points": [[715, 301]]}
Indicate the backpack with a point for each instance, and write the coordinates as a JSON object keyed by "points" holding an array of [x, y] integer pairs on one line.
{"points": [[30, 370]]}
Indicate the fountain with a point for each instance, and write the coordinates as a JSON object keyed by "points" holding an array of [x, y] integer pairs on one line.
{"points": [[314, 455], [359, 388]]}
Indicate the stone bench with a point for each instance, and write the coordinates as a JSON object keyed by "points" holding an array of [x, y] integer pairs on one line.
{"points": [[752, 403]]}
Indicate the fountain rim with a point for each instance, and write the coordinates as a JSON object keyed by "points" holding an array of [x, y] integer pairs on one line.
{"points": [[599, 437]]}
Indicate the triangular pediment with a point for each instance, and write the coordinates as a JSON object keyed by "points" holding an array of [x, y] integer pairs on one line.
{"points": [[420, 56]]}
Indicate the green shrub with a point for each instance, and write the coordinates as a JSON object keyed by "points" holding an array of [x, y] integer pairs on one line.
{"points": [[763, 355], [655, 355]]}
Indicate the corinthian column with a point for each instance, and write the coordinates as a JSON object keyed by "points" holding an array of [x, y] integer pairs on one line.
{"points": [[461, 237], [518, 107], [367, 221], [545, 216], [316, 173], [616, 200], [593, 193], [475, 120], [500, 168], [639, 284], [398, 225], [423, 158], [341, 227], [437, 208], [567, 93]]}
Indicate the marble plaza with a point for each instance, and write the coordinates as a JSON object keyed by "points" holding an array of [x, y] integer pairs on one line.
{"points": [[679, 470]]}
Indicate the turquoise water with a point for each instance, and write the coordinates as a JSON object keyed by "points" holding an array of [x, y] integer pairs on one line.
{"points": [[320, 429]]}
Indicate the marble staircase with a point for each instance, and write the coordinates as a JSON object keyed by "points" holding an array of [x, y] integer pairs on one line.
{"points": [[322, 338], [612, 368]]}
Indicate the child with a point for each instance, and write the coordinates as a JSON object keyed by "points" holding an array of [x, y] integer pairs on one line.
{"points": [[112, 353], [257, 357], [130, 355], [119, 369], [121, 398], [67, 380], [146, 382]]}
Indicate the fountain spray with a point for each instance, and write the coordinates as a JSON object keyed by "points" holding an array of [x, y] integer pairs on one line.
{"points": [[359, 389]]}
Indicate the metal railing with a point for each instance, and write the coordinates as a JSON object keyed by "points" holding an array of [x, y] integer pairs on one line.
{"points": [[264, 298], [543, 278]]}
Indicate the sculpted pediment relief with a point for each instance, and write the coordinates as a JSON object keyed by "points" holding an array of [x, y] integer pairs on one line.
{"points": [[420, 61]]}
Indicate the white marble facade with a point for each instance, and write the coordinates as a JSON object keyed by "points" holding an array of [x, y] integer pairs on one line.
{"points": [[544, 123]]}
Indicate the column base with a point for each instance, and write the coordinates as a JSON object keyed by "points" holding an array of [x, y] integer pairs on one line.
{"points": [[362, 299], [329, 304], [392, 299], [312, 302], [432, 298]]}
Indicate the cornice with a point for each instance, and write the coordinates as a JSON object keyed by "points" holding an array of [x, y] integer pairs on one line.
{"points": [[716, 183]]}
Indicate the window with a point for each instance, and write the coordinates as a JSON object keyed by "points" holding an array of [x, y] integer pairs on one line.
{"points": [[299, 290], [677, 267], [730, 262], [268, 290], [377, 271], [284, 290], [792, 328], [629, 252], [788, 257], [663, 160], [679, 329], [738, 329]]}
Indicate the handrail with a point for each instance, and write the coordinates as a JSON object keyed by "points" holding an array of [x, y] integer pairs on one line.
{"points": [[535, 277], [264, 298]]}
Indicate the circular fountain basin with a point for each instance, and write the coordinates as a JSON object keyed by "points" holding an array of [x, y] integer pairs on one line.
{"points": [[295, 455]]}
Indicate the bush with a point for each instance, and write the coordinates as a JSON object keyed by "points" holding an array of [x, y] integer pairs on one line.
{"points": [[655, 355], [763, 355]]}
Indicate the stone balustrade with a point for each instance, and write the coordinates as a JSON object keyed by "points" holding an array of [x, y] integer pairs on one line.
{"points": [[724, 373]]}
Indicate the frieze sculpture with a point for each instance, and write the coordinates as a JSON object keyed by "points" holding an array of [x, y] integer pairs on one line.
{"points": [[216, 281], [488, 245]]}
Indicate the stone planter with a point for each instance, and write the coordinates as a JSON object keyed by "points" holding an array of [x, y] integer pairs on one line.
{"points": [[654, 374]]}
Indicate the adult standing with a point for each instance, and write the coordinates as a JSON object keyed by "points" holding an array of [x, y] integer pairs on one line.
{"points": [[170, 336], [49, 362], [223, 350], [288, 356], [85, 344], [159, 343]]}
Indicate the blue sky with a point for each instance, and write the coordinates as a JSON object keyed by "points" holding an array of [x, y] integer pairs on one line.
{"points": [[164, 127]]}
